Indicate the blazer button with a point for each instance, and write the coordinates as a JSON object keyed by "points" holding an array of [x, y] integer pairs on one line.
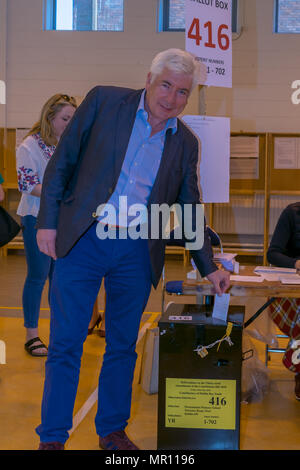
{"points": [[110, 190], [94, 215]]}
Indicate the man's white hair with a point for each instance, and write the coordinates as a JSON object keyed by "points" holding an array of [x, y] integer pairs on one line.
{"points": [[178, 61]]}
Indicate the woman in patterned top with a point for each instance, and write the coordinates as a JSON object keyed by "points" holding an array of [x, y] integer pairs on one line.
{"points": [[32, 158]]}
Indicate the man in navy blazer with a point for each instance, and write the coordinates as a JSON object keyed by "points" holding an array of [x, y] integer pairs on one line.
{"points": [[121, 144]]}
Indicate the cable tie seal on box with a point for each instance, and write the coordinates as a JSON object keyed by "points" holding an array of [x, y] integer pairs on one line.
{"points": [[202, 350]]}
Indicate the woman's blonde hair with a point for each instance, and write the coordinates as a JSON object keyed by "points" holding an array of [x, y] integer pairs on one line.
{"points": [[44, 125]]}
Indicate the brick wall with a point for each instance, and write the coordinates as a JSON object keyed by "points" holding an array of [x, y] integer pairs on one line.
{"points": [[288, 16], [110, 15], [82, 15], [177, 16]]}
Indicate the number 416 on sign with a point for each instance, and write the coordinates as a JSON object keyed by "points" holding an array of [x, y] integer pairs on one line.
{"points": [[208, 38], [220, 39]]}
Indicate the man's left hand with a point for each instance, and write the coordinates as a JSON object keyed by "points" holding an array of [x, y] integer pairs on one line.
{"points": [[220, 280]]}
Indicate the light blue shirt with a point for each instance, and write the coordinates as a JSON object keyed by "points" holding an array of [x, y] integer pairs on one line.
{"points": [[138, 171]]}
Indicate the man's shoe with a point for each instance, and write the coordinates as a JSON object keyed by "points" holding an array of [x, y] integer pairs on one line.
{"points": [[51, 446], [297, 386], [117, 441]]}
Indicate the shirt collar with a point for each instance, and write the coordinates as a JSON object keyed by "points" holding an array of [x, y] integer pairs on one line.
{"points": [[171, 123]]}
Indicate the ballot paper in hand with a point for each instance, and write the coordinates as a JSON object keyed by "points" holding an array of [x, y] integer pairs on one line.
{"points": [[221, 306]]}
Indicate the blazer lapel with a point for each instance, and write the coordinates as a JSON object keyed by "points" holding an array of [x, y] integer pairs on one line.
{"points": [[166, 164], [124, 125]]}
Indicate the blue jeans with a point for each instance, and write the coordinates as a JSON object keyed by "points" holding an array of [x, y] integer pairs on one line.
{"points": [[125, 266], [39, 268]]}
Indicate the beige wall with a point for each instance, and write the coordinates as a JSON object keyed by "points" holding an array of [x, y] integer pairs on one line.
{"points": [[264, 66], [40, 63], [3, 15]]}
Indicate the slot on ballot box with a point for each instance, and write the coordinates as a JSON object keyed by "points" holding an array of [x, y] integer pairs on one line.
{"points": [[200, 362]]}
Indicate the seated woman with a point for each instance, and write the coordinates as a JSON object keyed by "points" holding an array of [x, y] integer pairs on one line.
{"points": [[284, 251]]}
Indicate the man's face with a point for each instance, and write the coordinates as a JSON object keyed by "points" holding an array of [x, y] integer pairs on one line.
{"points": [[166, 96]]}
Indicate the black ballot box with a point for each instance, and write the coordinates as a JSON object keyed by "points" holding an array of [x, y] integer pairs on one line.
{"points": [[200, 362]]}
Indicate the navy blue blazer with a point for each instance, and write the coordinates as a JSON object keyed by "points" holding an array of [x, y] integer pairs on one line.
{"points": [[86, 165]]}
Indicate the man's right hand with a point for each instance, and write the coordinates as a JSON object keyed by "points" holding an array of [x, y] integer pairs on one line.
{"points": [[220, 279], [46, 241]]}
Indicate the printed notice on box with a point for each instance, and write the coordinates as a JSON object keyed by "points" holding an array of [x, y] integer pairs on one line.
{"points": [[200, 403], [208, 36]]}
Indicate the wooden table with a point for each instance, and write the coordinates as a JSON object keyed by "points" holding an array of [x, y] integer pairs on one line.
{"points": [[244, 289], [265, 289]]}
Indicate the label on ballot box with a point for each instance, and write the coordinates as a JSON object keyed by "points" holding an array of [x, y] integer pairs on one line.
{"points": [[200, 403]]}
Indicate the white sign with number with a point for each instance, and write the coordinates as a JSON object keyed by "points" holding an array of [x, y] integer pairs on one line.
{"points": [[209, 38]]}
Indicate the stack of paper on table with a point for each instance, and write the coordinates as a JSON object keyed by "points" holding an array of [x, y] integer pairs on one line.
{"points": [[274, 269], [274, 273], [291, 279], [192, 274], [246, 278], [227, 260]]}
